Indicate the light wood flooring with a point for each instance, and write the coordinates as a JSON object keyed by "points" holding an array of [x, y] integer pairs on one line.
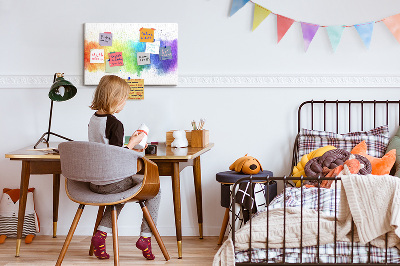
{"points": [[44, 250]]}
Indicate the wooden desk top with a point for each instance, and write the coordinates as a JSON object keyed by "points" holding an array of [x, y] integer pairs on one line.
{"points": [[163, 153]]}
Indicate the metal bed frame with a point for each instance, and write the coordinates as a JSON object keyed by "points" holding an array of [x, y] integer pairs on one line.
{"points": [[337, 108]]}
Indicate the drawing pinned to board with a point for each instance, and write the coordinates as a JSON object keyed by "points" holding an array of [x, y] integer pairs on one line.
{"points": [[96, 56], [165, 53], [105, 39], [147, 35], [153, 47], [116, 59], [143, 59], [126, 40]]}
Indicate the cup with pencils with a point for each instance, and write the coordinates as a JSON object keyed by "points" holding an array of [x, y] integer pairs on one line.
{"points": [[200, 136]]}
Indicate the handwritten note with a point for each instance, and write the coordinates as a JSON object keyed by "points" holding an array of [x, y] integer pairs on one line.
{"points": [[137, 89], [143, 59], [96, 56], [153, 47], [165, 53], [105, 39], [116, 59], [147, 35]]}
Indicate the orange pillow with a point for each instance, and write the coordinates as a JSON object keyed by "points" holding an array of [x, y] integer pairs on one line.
{"points": [[380, 166]]}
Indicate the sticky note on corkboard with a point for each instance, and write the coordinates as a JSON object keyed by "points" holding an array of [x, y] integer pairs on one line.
{"points": [[137, 89]]}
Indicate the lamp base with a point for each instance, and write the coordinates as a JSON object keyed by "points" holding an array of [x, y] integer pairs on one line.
{"points": [[45, 139]]}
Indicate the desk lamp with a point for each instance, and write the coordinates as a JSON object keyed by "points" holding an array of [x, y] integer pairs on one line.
{"points": [[61, 90]]}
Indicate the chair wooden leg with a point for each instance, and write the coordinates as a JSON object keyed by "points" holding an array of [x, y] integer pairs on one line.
{"points": [[98, 220], [70, 234], [223, 227], [115, 235], [154, 230]]}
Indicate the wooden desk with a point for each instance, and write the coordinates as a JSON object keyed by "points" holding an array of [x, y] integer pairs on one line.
{"points": [[170, 162]]}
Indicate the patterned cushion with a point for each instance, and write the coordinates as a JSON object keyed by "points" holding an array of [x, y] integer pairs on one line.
{"points": [[377, 139]]}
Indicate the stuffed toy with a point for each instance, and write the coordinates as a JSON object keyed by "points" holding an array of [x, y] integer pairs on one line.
{"points": [[246, 165], [350, 166], [9, 205], [180, 140], [298, 170], [380, 166]]}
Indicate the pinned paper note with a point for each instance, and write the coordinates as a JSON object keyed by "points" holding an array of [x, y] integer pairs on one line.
{"points": [[165, 53], [153, 47], [96, 56], [109, 69], [143, 59], [147, 35], [137, 89], [105, 39], [116, 59]]}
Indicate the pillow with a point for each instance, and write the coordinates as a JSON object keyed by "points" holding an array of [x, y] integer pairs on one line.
{"points": [[377, 139], [394, 143], [380, 166]]}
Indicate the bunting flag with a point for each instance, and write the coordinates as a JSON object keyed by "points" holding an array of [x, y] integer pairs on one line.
{"points": [[335, 35], [283, 24], [260, 13], [236, 5], [365, 32], [393, 23], [309, 31]]}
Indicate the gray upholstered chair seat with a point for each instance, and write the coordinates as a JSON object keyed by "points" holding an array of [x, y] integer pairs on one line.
{"points": [[80, 192]]}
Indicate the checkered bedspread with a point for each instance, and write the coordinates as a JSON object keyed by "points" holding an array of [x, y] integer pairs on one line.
{"points": [[326, 252]]}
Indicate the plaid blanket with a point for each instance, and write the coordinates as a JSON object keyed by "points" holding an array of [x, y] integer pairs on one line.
{"points": [[326, 252]]}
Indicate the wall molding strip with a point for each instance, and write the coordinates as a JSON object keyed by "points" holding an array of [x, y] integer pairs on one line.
{"points": [[242, 81]]}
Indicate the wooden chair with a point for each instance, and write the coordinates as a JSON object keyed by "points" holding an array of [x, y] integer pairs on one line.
{"points": [[83, 162]]}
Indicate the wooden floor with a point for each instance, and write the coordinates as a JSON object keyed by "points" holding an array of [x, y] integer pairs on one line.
{"points": [[44, 250]]}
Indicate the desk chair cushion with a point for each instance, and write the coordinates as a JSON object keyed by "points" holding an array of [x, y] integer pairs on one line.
{"points": [[97, 162], [80, 192]]}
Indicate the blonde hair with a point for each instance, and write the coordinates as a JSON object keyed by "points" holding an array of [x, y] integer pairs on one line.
{"points": [[109, 93]]}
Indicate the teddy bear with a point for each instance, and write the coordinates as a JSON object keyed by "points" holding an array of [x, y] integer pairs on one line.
{"points": [[180, 140], [9, 205]]}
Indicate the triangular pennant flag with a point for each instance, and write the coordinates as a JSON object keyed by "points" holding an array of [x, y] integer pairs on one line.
{"points": [[283, 24], [260, 13], [393, 23], [365, 32], [236, 5], [309, 31], [335, 34]]}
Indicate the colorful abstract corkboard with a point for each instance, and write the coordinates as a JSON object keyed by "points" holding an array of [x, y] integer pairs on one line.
{"points": [[162, 70]]}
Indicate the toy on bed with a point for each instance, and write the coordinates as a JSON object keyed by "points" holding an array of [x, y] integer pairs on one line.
{"points": [[9, 205], [246, 165]]}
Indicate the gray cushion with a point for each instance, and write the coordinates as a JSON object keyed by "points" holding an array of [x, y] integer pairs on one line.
{"points": [[96, 162], [79, 191], [394, 143]]}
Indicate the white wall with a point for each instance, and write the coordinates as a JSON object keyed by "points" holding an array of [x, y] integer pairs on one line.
{"points": [[43, 37]]}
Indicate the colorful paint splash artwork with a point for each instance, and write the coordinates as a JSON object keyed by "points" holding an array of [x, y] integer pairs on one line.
{"points": [[121, 58]]}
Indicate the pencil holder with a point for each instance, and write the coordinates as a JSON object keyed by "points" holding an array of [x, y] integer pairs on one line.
{"points": [[199, 138]]}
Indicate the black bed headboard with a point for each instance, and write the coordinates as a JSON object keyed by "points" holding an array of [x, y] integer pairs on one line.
{"points": [[346, 116]]}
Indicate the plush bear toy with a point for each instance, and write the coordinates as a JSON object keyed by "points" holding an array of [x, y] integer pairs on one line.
{"points": [[9, 205], [246, 165]]}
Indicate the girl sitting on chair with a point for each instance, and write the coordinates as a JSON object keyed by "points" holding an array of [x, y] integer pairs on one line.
{"points": [[110, 98]]}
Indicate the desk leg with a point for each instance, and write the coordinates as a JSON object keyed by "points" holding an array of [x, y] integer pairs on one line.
{"points": [[176, 190], [197, 187], [56, 199], [25, 175]]}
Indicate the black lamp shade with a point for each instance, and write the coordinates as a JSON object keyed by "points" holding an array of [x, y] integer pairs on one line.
{"points": [[62, 90]]}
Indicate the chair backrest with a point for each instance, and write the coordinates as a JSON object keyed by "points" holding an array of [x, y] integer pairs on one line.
{"points": [[93, 162]]}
